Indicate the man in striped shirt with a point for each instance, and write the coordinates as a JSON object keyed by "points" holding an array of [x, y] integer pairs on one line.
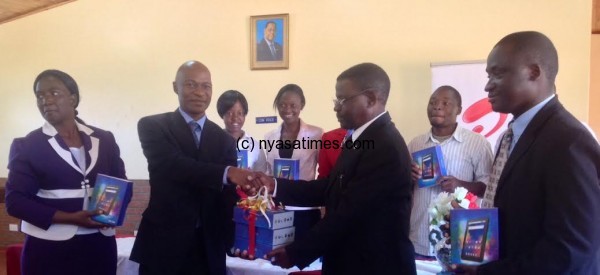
{"points": [[467, 155]]}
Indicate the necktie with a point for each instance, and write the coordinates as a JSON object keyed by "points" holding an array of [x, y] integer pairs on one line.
{"points": [[499, 162], [196, 130], [272, 49], [348, 137]]}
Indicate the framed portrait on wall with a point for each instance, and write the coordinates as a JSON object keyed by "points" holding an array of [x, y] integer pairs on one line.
{"points": [[269, 42]]}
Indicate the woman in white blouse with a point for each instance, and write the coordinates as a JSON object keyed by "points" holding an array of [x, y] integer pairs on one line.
{"points": [[289, 102]]}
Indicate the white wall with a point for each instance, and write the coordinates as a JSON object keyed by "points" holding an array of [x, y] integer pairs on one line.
{"points": [[124, 55]]}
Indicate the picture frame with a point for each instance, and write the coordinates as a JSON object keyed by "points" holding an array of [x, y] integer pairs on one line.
{"points": [[269, 42]]}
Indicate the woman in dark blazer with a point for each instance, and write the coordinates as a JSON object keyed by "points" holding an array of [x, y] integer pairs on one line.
{"points": [[51, 175]]}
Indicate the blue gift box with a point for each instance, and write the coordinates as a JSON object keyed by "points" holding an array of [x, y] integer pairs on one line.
{"points": [[267, 236], [431, 162], [279, 218], [260, 250]]}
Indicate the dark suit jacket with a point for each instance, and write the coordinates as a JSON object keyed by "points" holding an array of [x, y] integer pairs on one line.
{"points": [[263, 52], [186, 190], [367, 198], [548, 198]]}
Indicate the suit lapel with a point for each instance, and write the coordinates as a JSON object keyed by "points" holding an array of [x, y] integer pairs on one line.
{"points": [[91, 144], [527, 139], [347, 161], [207, 138], [182, 132]]}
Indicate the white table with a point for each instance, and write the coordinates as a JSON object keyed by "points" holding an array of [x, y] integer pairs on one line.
{"points": [[124, 265], [237, 266]]}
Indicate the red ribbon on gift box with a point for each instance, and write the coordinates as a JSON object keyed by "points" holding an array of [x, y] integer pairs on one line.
{"points": [[252, 205], [251, 218]]}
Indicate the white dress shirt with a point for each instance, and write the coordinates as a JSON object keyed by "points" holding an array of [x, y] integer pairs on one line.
{"points": [[467, 156]]}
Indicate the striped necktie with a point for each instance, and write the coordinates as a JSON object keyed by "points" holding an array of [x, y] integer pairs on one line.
{"points": [[499, 162], [196, 130]]}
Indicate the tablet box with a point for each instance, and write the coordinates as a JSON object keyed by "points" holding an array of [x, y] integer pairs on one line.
{"points": [[111, 195], [474, 236], [279, 218], [242, 159], [431, 162], [286, 168]]}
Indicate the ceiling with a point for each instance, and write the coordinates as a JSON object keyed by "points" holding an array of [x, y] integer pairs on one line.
{"points": [[15, 9]]}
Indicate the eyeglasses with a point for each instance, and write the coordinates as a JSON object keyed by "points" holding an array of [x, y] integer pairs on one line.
{"points": [[341, 101], [191, 85]]}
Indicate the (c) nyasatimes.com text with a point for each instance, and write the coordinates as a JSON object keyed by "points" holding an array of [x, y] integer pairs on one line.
{"points": [[304, 143]]}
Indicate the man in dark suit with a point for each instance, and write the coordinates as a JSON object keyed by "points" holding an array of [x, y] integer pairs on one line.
{"points": [[190, 158], [367, 194], [267, 49], [548, 192]]}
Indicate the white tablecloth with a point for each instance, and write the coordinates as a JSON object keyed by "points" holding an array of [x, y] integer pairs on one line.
{"points": [[237, 266]]}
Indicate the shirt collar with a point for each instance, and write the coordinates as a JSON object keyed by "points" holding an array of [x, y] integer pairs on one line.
{"points": [[48, 129], [189, 119], [520, 123], [358, 131], [458, 135]]}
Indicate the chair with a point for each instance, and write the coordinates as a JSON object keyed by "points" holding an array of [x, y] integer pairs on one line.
{"points": [[13, 259]]}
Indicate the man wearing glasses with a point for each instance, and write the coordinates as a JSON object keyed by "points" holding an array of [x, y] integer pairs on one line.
{"points": [[367, 195]]}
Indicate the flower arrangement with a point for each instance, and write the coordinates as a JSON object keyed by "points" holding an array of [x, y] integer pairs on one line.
{"points": [[444, 202], [439, 210]]}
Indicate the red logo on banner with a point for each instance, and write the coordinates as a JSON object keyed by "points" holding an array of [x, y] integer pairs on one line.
{"points": [[477, 111]]}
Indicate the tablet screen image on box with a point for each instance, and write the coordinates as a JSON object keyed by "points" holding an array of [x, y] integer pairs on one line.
{"points": [[475, 240], [474, 236], [242, 159], [427, 167], [286, 168], [431, 162]]}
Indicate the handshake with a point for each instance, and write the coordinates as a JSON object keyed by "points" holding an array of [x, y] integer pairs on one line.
{"points": [[250, 182]]}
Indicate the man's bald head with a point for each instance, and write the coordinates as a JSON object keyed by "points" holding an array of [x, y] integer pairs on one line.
{"points": [[534, 48], [189, 65], [193, 87]]}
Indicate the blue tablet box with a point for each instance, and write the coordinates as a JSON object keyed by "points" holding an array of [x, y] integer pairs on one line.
{"points": [[279, 218], [112, 196], [431, 162], [286, 168], [242, 159], [474, 236]]}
